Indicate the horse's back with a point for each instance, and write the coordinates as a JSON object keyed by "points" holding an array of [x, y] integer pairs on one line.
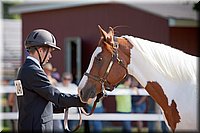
{"points": [[168, 61]]}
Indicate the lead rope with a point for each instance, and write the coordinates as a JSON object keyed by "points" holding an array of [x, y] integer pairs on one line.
{"points": [[99, 96], [66, 120]]}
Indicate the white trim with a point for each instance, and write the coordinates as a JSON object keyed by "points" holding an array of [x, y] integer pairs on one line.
{"points": [[96, 116], [34, 7], [178, 9], [182, 23]]}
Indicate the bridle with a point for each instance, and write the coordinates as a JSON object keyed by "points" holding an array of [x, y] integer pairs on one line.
{"points": [[105, 84]]}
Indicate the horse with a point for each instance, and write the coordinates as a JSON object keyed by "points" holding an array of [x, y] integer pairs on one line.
{"points": [[169, 75]]}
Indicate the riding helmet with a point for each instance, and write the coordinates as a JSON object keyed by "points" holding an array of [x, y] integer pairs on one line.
{"points": [[40, 37]]}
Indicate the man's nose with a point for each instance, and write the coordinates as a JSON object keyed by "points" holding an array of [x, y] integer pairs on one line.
{"points": [[50, 55]]}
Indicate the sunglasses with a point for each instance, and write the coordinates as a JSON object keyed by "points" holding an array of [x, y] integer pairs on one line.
{"points": [[67, 78]]}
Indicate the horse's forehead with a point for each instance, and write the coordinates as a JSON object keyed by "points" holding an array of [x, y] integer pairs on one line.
{"points": [[95, 53]]}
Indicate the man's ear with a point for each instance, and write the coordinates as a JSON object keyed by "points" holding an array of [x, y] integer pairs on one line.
{"points": [[40, 49], [103, 33]]}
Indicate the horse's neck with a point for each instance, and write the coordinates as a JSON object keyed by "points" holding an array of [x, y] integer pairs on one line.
{"points": [[141, 69], [153, 61]]}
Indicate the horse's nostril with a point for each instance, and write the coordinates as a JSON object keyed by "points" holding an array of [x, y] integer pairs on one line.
{"points": [[92, 94]]}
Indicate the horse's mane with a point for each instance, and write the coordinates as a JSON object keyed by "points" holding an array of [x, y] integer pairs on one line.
{"points": [[172, 62]]}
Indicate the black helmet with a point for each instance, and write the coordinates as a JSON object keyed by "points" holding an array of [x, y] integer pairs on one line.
{"points": [[40, 37]]}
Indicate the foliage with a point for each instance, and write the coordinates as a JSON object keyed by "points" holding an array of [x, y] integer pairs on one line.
{"points": [[6, 14], [197, 6]]}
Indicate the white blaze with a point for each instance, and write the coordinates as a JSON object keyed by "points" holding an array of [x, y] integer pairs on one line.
{"points": [[85, 78]]}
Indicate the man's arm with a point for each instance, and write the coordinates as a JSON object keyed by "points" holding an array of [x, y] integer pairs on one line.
{"points": [[42, 86]]}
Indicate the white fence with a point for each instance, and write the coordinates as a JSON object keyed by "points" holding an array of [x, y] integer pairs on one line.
{"points": [[95, 116]]}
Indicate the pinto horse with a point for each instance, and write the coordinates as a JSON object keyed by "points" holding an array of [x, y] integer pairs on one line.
{"points": [[168, 75]]}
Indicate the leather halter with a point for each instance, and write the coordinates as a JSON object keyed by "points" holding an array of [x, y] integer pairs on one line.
{"points": [[105, 84], [103, 80]]}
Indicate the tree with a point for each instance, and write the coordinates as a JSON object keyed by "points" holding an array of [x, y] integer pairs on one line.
{"points": [[6, 14]]}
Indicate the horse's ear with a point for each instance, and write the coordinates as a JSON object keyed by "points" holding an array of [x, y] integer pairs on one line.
{"points": [[110, 35], [111, 31], [103, 33]]}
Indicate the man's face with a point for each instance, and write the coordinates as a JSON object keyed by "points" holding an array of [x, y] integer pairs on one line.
{"points": [[67, 80], [43, 52]]}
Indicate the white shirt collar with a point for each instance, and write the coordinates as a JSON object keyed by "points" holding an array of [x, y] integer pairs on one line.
{"points": [[34, 59]]}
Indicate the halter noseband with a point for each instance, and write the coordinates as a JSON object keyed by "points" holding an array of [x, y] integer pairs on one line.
{"points": [[103, 80]]}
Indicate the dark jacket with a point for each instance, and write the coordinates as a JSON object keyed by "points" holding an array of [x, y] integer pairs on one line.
{"points": [[40, 99]]}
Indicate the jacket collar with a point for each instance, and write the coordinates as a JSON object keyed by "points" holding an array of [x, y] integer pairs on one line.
{"points": [[34, 60]]}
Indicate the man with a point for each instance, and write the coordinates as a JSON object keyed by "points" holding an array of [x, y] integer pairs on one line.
{"points": [[123, 103], [38, 99]]}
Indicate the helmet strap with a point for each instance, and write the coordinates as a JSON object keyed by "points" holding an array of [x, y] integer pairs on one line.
{"points": [[45, 56], [42, 61]]}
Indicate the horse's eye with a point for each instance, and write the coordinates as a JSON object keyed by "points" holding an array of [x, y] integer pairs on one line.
{"points": [[99, 58]]}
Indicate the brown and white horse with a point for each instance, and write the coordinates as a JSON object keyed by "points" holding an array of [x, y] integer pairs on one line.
{"points": [[168, 75]]}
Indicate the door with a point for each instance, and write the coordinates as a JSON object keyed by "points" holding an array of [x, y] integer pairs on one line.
{"points": [[73, 57]]}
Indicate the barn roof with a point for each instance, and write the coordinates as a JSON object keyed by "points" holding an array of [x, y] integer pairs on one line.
{"points": [[178, 10]]}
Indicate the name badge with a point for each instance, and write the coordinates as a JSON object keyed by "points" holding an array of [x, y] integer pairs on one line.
{"points": [[18, 86]]}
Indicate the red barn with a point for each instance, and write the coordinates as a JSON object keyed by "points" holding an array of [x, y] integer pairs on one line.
{"points": [[75, 26]]}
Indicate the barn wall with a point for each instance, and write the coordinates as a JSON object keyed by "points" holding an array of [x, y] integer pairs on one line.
{"points": [[83, 21], [185, 39]]}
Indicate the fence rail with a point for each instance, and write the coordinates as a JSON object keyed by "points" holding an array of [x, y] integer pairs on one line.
{"points": [[121, 91], [95, 116]]}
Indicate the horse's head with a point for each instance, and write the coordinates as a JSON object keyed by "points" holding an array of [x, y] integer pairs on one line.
{"points": [[108, 66]]}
